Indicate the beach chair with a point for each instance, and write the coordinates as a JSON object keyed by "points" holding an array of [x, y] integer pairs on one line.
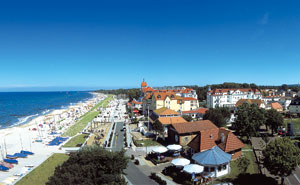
{"points": [[3, 168], [11, 161]]}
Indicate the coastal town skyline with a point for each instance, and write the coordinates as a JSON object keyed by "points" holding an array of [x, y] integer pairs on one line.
{"points": [[94, 45]]}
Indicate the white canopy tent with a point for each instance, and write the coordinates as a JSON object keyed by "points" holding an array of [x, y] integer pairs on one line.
{"points": [[193, 168], [174, 147], [160, 149], [181, 162]]}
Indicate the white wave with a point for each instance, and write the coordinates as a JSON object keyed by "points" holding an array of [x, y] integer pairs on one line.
{"points": [[46, 111], [24, 120]]}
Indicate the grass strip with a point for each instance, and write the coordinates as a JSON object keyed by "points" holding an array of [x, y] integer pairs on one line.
{"points": [[41, 174]]}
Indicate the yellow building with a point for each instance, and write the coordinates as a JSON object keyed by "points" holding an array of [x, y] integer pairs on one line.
{"points": [[172, 101]]}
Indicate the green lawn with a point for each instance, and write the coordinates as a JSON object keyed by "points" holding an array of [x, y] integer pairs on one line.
{"points": [[86, 118], [76, 140], [252, 168], [147, 142], [40, 175], [296, 123], [103, 103]]}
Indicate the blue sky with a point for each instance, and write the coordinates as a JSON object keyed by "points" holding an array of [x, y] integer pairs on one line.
{"points": [[56, 45]]}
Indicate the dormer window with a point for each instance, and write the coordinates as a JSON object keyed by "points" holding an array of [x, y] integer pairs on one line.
{"points": [[172, 96], [158, 96], [222, 137]]}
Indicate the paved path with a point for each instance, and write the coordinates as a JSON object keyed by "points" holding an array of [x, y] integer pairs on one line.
{"points": [[295, 178], [136, 177], [119, 137], [259, 145]]}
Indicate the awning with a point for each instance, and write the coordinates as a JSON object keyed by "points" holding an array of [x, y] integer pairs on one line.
{"points": [[212, 157], [174, 147], [180, 162], [160, 149], [193, 168]]}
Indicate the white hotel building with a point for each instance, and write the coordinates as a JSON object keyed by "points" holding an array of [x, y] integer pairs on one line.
{"points": [[229, 97]]}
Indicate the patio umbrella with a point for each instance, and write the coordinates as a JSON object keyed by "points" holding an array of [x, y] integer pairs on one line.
{"points": [[180, 162], [174, 147], [193, 168], [160, 149]]}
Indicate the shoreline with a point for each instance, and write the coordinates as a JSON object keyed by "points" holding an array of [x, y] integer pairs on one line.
{"points": [[36, 135], [55, 111]]}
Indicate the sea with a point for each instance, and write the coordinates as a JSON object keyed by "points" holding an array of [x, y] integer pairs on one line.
{"points": [[17, 108]]}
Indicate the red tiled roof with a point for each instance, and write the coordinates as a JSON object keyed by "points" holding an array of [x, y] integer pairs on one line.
{"points": [[231, 142], [200, 111], [147, 89], [189, 99], [250, 101], [165, 111], [172, 120], [276, 106], [164, 95], [196, 126]]}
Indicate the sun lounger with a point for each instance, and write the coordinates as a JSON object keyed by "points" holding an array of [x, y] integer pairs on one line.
{"points": [[3, 168], [26, 152], [11, 161], [11, 156], [20, 155]]}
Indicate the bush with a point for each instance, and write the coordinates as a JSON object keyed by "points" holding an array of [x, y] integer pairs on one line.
{"points": [[132, 157], [188, 183], [158, 179], [137, 162]]}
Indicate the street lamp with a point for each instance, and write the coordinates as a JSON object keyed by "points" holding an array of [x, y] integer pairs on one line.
{"points": [[148, 120]]}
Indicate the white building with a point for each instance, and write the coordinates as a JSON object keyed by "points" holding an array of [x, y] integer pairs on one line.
{"points": [[229, 97], [269, 99], [294, 107], [285, 102]]}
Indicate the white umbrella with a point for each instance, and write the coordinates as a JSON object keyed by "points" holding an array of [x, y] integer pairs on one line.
{"points": [[174, 147], [180, 162], [160, 149], [193, 168]]}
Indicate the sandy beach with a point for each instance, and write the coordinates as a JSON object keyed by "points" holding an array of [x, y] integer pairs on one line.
{"points": [[35, 136]]}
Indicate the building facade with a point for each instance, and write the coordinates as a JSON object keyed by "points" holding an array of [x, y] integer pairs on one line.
{"points": [[294, 107], [229, 97]]}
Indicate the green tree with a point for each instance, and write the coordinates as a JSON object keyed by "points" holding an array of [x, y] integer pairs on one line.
{"points": [[158, 127], [187, 118], [248, 119], [91, 165], [219, 116], [281, 157], [284, 87], [243, 163], [253, 86], [273, 119]]}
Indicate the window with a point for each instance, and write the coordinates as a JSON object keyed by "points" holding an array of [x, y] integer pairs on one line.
{"points": [[224, 167], [158, 96], [219, 168], [206, 169], [172, 96]]}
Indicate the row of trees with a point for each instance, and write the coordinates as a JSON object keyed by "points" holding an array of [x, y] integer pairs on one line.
{"points": [[249, 118], [130, 93], [91, 165], [202, 90]]}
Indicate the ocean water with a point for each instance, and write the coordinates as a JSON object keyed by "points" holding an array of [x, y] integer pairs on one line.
{"points": [[18, 108]]}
